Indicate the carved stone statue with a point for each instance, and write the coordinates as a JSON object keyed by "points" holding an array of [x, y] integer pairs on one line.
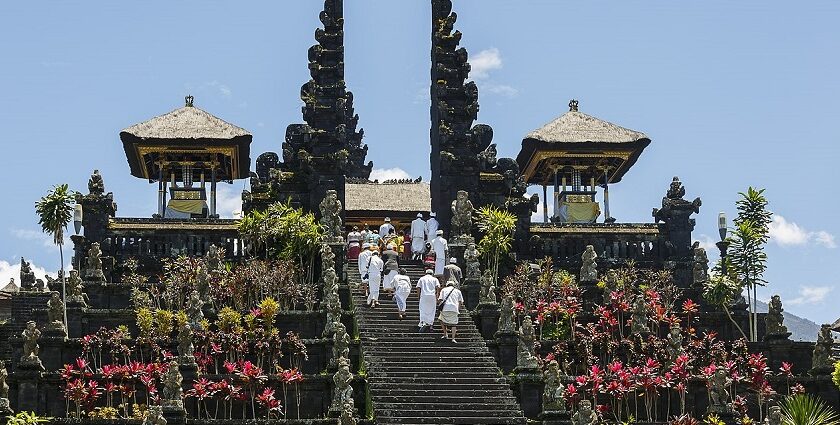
{"points": [[343, 391], [185, 345], [822, 362], [96, 186], [462, 211], [331, 208], [675, 340], [585, 415], [327, 258], [194, 312], [172, 391], [526, 358], [4, 387], [347, 417], [471, 258], [30, 337], [27, 276], [639, 315], [341, 343], [701, 267], [718, 392], [553, 395], [506, 324], [774, 319], [55, 314], [589, 268], [610, 285], [774, 416], [75, 292], [213, 259], [202, 285], [93, 272], [488, 290], [154, 416]]}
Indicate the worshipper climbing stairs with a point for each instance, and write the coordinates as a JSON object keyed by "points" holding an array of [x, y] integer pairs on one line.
{"points": [[420, 378]]}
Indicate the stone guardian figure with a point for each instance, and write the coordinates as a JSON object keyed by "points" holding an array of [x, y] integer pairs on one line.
{"points": [[93, 272], [718, 392], [154, 416], [675, 340], [462, 211], [5, 409], [186, 349], [506, 324], [585, 415], [331, 208], [526, 358], [172, 391], [195, 314], [589, 268], [343, 392], [341, 343], [639, 316], [471, 258], [30, 336], [55, 315], [553, 395], [75, 290], [488, 290], [701, 267]]}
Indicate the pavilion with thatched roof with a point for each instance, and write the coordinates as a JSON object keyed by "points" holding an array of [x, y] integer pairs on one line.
{"points": [[368, 203], [576, 153], [182, 148]]}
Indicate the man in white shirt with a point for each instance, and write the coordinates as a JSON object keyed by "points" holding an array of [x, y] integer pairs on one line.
{"points": [[452, 300], [441, 249], [374, 271], [418, 237], [402, 289], [386, 228], [432, 226], [427, 288], [364, 256]]}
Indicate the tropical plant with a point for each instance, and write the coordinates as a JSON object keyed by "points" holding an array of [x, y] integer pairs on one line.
{"points": [[55, 210], [747, 260], [720, 290], [835, 376], [27, 418], [496, 226], [806, 409]]}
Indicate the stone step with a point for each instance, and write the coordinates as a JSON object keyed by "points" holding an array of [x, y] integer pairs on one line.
{"points": [[443, 409], [457, 421], [445, 380], [453, 373]]}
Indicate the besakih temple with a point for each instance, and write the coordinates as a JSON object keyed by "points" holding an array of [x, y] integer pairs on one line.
{"points": [[364, 365]]}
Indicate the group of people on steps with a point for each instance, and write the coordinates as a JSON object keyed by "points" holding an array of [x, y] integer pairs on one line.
{"points": [[379, 254]]}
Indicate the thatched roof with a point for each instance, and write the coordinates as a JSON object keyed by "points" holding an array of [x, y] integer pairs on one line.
{"points": [[10, 288], [186, 123], [407, 197], [577, 127]]}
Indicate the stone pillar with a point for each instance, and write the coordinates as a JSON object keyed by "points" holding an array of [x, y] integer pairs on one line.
{"points": [[487, 319], [471, 289], [507, 342], [28, 382], [528, 387]]}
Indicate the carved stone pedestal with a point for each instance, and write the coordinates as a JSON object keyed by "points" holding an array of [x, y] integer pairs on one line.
{"points": [[554, 417], [174, 412], [28, 378], [783, 338], [471, 288], [528, 387], [507, 342], [487, 319]]}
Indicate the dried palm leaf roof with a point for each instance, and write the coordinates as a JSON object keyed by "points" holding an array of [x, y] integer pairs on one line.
{"points": [[188, 123], [408, 197], [577, 127], [10, 288]]}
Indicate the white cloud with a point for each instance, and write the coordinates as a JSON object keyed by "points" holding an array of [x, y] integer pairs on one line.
{"points": [[228, 202], [37, 236], [707, 243], [788, 233], [9, 271], [811, 295], [500, 89], [485, 61], [382, 174], [223, 89]]}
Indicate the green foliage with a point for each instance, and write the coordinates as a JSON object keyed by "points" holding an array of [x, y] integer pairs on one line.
{"points": [[164, 320], [720, 291], [229, 320], [27, 418], [268, 309], [835, 376], [145, 322], [55, 210], [806, 409], [752, 207], [496, 226]]}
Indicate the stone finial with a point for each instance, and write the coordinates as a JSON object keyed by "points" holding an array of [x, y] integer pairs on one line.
{"points": [[821, 361], [96, 186], [573, 105], [27, 276], [774, 320], [188, 101]]}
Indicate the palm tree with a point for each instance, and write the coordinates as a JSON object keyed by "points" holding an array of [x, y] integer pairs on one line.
{"points": [[55, 210]]}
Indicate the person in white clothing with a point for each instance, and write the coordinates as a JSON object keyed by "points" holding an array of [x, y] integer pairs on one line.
{"points": [[418, 237], [441, 250], [402, 289], [364, 256], [432, 226], [427, 288], [374, 272], [452, 300], [386, 228]]}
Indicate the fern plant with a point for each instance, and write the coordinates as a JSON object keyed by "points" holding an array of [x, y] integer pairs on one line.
{"points": [[806, 409]]}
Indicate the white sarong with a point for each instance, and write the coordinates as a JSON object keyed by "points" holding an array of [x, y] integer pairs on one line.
{"points": [[418, 244], [440, 263], [428, 307], [373, 287], [402, 291], [388, 282]]}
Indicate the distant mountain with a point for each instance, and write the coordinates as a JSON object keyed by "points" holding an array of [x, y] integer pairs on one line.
{"points": [[802, 329]]}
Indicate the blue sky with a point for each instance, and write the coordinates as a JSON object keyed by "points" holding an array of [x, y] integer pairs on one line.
{"points": [[731, 93]]}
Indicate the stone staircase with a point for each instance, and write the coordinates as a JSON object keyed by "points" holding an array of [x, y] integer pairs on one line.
{"points": [[419, 378]]}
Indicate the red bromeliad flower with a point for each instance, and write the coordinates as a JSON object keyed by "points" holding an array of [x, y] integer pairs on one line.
{"points": [[786, 369], [690, 306], [67, 372], [291, 376], [267, 400], [230, 367]]}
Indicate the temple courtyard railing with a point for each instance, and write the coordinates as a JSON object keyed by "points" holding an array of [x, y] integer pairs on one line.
{"points": [[615, 243]]}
